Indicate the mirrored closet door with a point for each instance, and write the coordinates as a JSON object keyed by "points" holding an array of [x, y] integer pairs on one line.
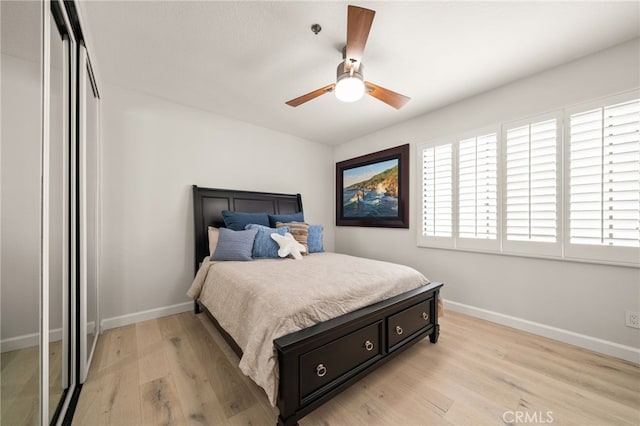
{"points": [[39, 222], [21, 222]]}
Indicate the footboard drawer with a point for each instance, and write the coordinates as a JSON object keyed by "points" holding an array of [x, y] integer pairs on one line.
{"points": [[327, 363], [405, 323]]}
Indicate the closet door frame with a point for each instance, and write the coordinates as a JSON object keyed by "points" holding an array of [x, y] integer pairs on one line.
{"points": [[69, 335], [69, 291], [45, 211], [73, 206]]}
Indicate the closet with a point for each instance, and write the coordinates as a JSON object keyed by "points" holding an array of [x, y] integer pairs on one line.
{"points": [[49, 211]]}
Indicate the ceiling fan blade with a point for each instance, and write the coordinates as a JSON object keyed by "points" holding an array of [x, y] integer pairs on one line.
{"points": [[387, 96], [359, 22], [311, 95]]}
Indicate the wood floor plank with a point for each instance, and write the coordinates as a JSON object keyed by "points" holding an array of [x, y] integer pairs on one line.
{"points": [[159, 403], [557, 360], [224, 377], [532, 379], [254, 415], [120, 399], [478, 373], [372, 395], [211, 341], [152, 362], [195, 395]]}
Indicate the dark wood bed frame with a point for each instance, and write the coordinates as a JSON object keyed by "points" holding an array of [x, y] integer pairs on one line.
{"points": [[319, 362]]}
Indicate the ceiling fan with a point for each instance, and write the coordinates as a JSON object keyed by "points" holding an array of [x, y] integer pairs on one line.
{"points": [[350, 84]]}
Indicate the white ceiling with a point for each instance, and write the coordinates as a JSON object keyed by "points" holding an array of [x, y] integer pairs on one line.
{"points": [[244, 59]]}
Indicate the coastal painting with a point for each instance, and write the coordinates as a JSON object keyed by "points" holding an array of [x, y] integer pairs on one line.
{"points": [[372, 190]]}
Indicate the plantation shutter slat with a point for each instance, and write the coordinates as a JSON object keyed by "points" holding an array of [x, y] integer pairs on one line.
{"points": [[604, 176]]}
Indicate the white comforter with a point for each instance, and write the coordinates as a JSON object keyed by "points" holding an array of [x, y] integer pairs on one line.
{"points": [[259, 301]]}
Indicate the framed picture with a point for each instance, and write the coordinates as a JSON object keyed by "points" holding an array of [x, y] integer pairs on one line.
{"points": [[373, 190]]}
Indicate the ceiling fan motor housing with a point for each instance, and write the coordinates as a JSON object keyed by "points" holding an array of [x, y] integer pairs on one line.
{"points": [[341, 73]]}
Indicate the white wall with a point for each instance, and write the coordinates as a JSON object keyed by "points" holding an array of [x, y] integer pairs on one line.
{"points": [[578, 298], [152, 152]]}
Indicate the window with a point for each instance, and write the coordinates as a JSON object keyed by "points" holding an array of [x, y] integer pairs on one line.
{"points": [[562, 185]]}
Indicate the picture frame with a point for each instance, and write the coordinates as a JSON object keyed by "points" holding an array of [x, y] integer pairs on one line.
{"points": [[373, 189]]}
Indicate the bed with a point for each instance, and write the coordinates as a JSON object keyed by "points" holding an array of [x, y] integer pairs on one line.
{"points": [[316, 355]]}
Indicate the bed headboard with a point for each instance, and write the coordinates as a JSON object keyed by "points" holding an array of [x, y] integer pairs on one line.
{"points": [[208, 204]]}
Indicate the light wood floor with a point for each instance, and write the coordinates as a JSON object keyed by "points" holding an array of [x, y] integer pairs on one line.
{"points": [[20, 387], [178, 370]]}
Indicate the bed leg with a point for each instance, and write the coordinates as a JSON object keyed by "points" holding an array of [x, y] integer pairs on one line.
{"points": [[291, 421], [196, 307], [433, 337]]}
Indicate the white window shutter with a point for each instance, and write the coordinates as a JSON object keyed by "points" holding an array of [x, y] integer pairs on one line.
{"points": [[604, 205], [477, 187], [531, 182], [604, 183], [436, 165]]}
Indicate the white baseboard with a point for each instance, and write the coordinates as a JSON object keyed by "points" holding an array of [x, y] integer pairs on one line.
{"points": [[27, 340], [606, 347], [135, 317]]}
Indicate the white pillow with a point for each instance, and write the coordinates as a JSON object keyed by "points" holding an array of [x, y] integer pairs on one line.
{"points": [[213, 239]]}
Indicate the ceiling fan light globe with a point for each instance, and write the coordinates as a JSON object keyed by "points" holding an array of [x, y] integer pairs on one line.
{"points": [[349, 89]]}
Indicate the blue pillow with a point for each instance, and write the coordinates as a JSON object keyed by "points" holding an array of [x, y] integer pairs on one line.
{"points": [[314, 240], [264, 247], [293, 217], [238, 220], [234, 245]]}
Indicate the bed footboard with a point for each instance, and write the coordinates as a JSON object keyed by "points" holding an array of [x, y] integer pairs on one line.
{"points": [[321, 361]]}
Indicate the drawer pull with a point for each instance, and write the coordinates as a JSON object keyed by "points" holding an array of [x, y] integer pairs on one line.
{"points": [[368, 345], [321, 370], [399, 329], [425, 316]]}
